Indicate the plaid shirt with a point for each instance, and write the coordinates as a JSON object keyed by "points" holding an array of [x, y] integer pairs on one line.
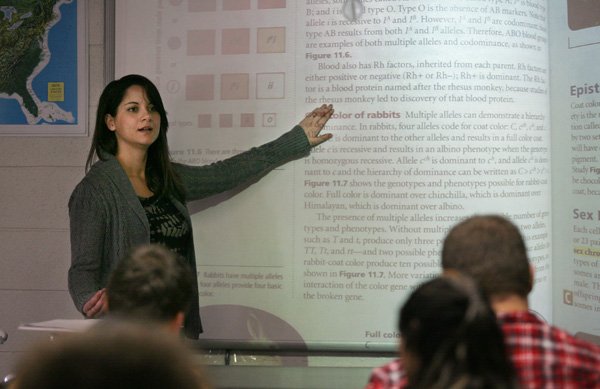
{"points": [[389, 376], [543, 357], [548, 357]]}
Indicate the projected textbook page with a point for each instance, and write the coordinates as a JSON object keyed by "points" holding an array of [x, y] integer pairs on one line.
{"points": [[442, 111], [575, 52]]}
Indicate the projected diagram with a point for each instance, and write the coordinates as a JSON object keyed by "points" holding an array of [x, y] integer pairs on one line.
{"points": [[239, 43]]}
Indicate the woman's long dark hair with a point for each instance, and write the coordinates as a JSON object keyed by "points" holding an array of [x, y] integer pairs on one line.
{"points": [[451, 330], [160, 175]]}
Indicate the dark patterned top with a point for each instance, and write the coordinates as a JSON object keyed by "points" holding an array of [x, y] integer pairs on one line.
{"points": [[167, 225]]}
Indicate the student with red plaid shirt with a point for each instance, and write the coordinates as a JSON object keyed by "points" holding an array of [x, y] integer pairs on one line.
{"points": [[491, 250]]}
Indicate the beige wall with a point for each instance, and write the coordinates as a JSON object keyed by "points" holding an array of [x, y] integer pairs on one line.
{"points": [[38, 175]]}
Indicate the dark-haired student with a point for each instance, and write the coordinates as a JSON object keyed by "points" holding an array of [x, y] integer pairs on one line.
{"points": [[134, 194], [450, 338], [491, 250]]}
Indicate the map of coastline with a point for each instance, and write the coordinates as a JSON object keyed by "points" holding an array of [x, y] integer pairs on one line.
{"points": [[38, 62]]}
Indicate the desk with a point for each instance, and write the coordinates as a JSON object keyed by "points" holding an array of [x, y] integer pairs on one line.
{"points": [[60, 325]]}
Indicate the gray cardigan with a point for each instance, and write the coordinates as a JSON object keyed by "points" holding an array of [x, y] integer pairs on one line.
{"points": [[107, 218]]}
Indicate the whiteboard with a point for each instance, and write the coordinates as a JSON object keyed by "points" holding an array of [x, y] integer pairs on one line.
{"points": [[434, 122]]}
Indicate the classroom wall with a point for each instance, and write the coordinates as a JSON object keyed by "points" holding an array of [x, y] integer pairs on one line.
{"points": [[38, 175]]}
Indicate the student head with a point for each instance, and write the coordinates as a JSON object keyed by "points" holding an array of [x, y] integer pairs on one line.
{"points": [[449, 336], [151, 283], [491, 250], [111, 355]]}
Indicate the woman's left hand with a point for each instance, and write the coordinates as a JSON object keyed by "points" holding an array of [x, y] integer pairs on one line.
{"points": [[314, 122]]}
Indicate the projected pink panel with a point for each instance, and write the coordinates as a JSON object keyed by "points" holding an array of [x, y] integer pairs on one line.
{"points": [[235, 41], [236, 5], [202, 5], [201, 42], [225, 120], [200, 87], [267, 4], [204, 120], [247, 120]]}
